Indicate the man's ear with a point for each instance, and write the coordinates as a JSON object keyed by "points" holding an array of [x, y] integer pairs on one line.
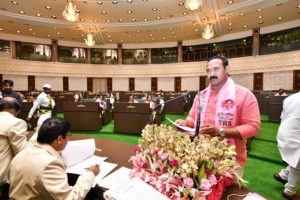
{"points": [[60, 139]]}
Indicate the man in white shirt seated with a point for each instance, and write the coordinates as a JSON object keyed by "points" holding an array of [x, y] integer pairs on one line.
{"points": [[132, 100], [280, 92]]}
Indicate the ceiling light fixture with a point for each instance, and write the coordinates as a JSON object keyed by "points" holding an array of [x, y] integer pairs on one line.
{"points": [[208, 32], [89, 41], [193, 4], [70, 13]]}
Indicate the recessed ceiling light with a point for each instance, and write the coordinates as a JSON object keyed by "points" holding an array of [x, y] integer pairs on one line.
{"points": [[38, 14], [58, 33], [142, 40], [154, 9], [138, 31], [174, 37], [229, 24], [96, 20], [121, 20], [82, 19], [53, 16], [108, 21], [196, 30], [21, 12], [181, 26], [158, 17], [245, 26], [260, 22], [131, 40], [150, 35], [180, 3], [48, 7], [18, 31], [229, 2], [114, 2], [82, 35], [99, 2], [173, 33], [110, 40], [133, 20], [121, 40], [30, 29], [108, 36], [298, 6], [54, 28], [163, 38], [259, 10], [129, 1], [260, 17], [152, 39], [104, 12], [14, 2], [1, 29], [33, 33], [241, 14], [185, 13], [145, 20], [226, 18], [280, 18], [129, 36], [129, 11], [171, 28], [49, 35]]}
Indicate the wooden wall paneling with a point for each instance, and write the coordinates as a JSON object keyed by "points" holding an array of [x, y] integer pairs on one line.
{"points": [[154, 84], [177, 84], [90, 84], [258, 81], [1, 79], [109, 84], [31, 83], [202, 82], [131, 84], [296, 80], [65, 83]]}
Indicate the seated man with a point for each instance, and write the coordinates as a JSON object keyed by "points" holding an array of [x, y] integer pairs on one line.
{"points": [[38, 172], [7, 90], [132, 100], [280, 92]]}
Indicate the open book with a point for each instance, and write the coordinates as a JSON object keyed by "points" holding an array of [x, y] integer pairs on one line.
{"points": [[134, 189], [78, 156]]}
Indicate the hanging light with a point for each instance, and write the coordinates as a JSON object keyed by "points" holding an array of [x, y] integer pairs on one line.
{"points": [[89, 40], [70, 12], [193, 4], [208, 32]]}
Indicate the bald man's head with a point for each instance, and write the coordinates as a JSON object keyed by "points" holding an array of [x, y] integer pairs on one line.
{"points": [[9, 104]]}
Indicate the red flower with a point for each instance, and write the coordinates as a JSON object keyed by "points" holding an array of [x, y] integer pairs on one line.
{"points": [[174, 163], [155, 152], [137, 149]]}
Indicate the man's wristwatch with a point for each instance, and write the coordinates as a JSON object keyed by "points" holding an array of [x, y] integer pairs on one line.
{"points": [[221, 132]]}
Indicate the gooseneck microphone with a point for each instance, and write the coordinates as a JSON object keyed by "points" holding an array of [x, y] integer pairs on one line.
{"points": [[153, 113], [198, 119]]}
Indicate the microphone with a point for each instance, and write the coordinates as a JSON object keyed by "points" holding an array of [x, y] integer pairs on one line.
{"points": [[153, 113], [198, 119]]}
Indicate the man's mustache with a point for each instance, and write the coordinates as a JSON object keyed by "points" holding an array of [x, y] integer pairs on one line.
{"points": [[213, 77]]}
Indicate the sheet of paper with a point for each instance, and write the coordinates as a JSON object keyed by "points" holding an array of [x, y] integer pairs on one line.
{"points": [[185, 128], [254, 196], [115, 179], [77, 151], [105, 168], [134, 189], [80, 168]]}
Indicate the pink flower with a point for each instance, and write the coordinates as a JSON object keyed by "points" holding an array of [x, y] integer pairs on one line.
{"points": [[213, 180], [205, 185], [174, 163], [165, 170], [146, 151], [164, 155], [137, 149], [155, 152], [188, 182]]}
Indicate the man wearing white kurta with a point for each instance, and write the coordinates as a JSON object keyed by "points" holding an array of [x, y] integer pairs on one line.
{"points": [[44, 103], [288, 139]]}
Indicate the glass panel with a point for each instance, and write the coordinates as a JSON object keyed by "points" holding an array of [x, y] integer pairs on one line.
{"points": [[104, 56], [134, 56], [287, 40], [231, 49], [30, 51], [5, 46], [72, 54], [164, 55]]}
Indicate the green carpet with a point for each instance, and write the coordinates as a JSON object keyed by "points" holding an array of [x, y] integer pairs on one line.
{"points": [[263, 160]]}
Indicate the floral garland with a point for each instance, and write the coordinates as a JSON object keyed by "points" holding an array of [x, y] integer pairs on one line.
{"points": [[183, 169]]}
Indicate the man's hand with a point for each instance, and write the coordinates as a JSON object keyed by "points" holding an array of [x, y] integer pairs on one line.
{"points": [[95, 169], [181, 122], [209, 129]]}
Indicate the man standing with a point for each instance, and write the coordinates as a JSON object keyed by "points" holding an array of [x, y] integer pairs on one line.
{"points": [[6, 91], [38, 172], [288, 139], [237, 124], [12, 138], [44, 103]]}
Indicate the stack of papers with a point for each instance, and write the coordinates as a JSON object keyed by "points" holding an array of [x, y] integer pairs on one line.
{"points": [[134, 189], [184, 128], [115, 179]]}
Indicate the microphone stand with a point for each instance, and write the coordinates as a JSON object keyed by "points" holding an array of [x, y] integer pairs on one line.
{"points": [[153, 113], [198, 119]]}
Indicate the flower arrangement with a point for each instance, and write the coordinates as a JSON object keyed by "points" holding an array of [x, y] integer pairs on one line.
{"points": [[180, 168]]}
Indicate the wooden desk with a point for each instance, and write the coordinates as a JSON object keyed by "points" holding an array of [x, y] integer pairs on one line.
{"points": [[23, 114], [120, 153], [275, 107], [177, 106], [131, 117]]}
